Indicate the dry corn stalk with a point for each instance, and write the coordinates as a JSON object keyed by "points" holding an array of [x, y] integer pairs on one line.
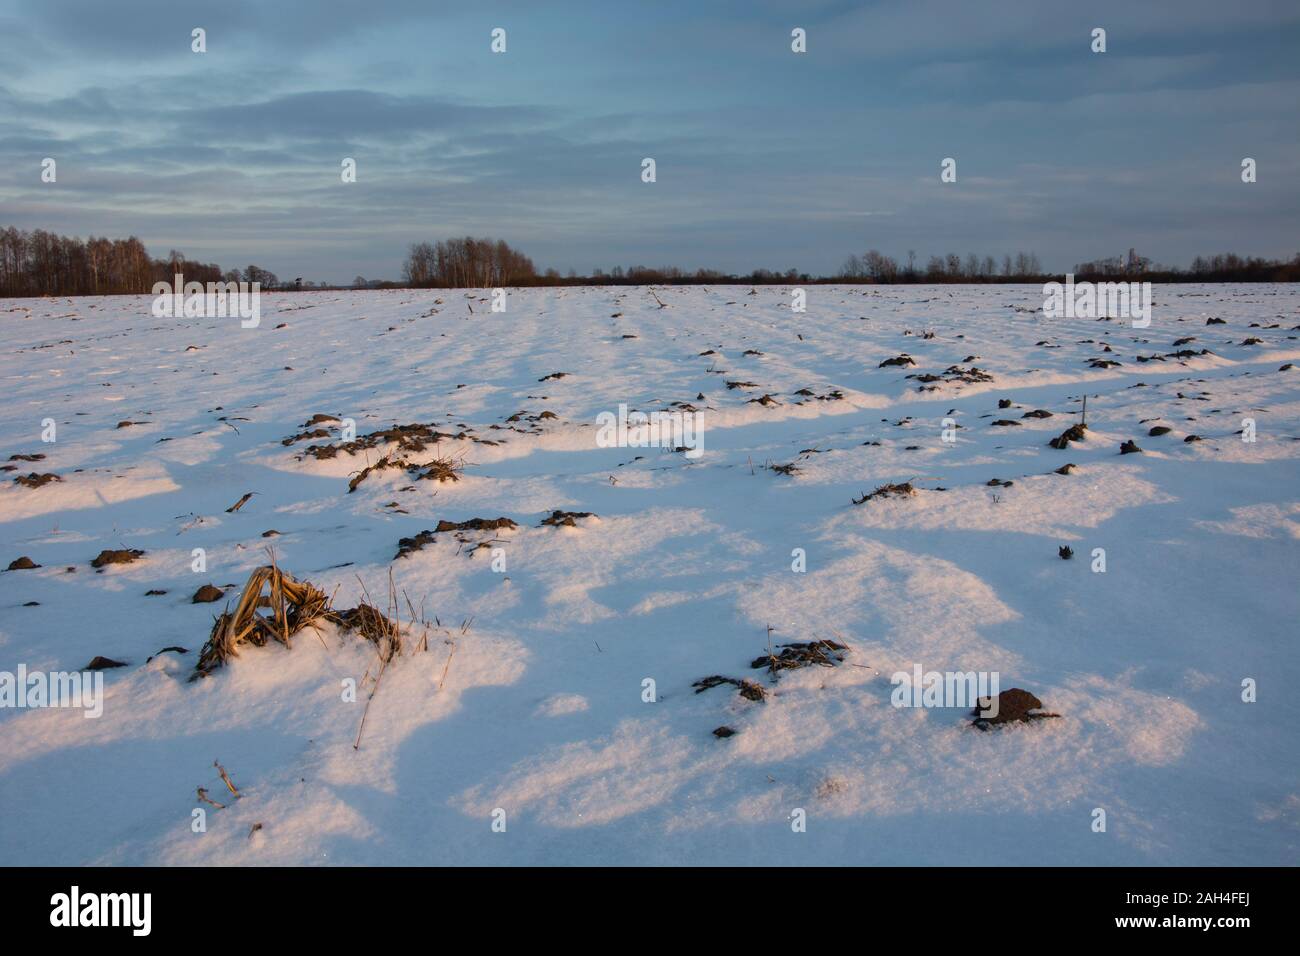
{"points": [[293, 605]]}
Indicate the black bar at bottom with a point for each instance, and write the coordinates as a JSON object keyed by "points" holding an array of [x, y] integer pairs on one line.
{"points": [[334, 904]]}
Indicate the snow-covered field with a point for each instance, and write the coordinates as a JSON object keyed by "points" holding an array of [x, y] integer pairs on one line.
{"points": [[521, 690]]}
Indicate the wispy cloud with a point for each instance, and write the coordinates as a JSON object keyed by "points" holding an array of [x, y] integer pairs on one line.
{"points": [[765, 157]]}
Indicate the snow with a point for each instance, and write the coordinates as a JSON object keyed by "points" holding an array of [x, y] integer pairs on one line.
{"points": [[529, 697]]}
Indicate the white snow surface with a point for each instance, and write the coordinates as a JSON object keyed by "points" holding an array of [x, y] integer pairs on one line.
{"points": [[529, 697]]}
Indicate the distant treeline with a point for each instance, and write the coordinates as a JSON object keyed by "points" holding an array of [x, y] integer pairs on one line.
{"points": [[44, 263], [874, 267], [1224, 267], [467, 263], [488, 263]]}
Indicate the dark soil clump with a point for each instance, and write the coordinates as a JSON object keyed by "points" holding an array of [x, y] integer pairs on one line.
{"points": [[125, 556], [476, 524], [794, 656], [904, 490], [407, 545], [369, 622], [1014, 705], [1075, 432], [408, 438], [566, 519], [901, 360], [302, 436], [748, 689]]}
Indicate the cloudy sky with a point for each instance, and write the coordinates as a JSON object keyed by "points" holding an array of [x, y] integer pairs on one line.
{"points": [[765, 158]]}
